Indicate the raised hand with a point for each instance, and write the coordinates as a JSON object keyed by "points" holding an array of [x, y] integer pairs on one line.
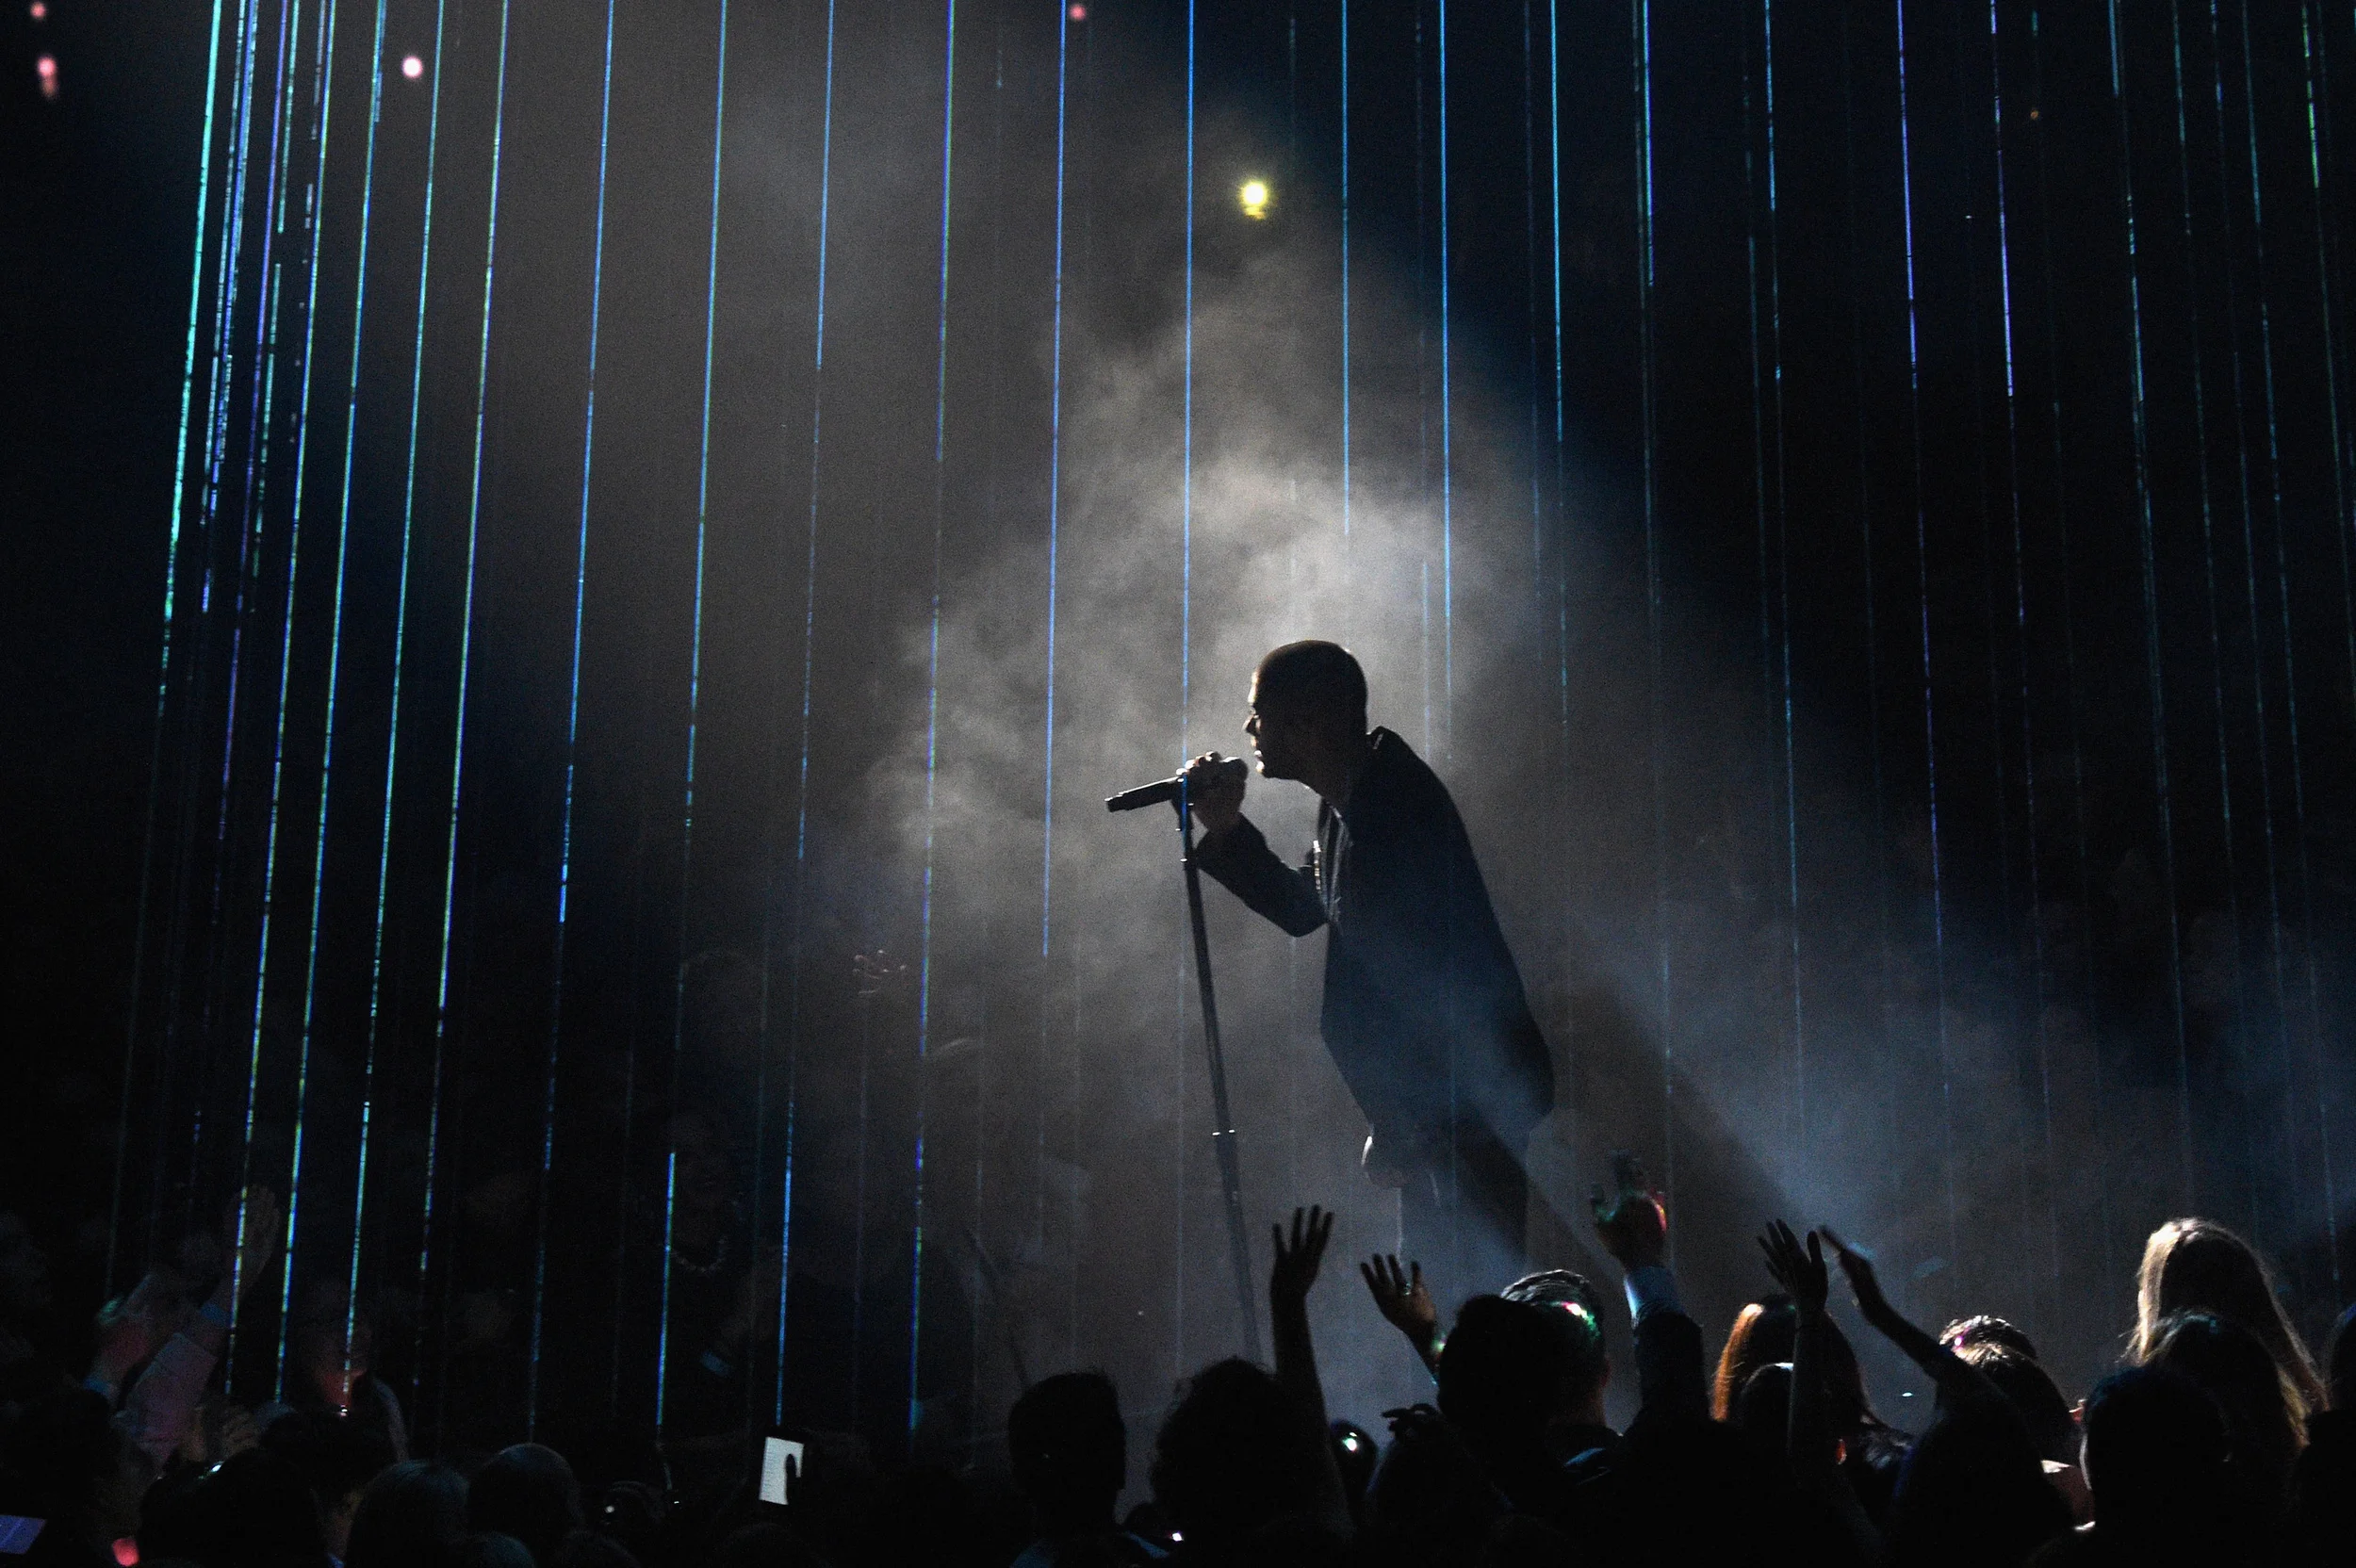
{"points": [[1634, 1226], [1863, 1283], [1800, 1270], [1403, 1299], [1297, 1262]]}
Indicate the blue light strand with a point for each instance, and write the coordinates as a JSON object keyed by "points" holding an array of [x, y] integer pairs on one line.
{"points": [[400, 642], [323, 122], [1185, 689], [695, 711], [2021, 624], [2249, 563], [264, 351], [932, 704], [1930, 732], [2151, 610], [2208, 539], [809, 649], [163, 673], [1530, 261], [572, 739], [1347, 499], [334, 657], [1055, 496], [466, 665], [2282, 607], [1641, 22], [2311, 59], [1448, 426], [2068, 630]]}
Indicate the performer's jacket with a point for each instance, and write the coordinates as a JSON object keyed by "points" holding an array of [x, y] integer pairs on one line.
{"points": [[1424, 1010]]}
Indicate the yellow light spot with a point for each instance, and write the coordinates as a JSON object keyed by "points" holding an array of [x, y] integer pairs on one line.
{"points": [[1254, 196]]}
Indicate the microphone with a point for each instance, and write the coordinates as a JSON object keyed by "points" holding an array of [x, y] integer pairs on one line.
{"points": [[1167, 788]]}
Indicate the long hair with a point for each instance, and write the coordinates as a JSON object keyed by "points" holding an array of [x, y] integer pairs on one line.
{"points": [[2199, 1266]]}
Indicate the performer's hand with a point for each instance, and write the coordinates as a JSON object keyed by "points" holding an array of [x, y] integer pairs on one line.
{"points": [[1217, 798]]}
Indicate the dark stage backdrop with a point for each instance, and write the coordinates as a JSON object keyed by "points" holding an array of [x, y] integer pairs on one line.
{"points": [[589, 566]]}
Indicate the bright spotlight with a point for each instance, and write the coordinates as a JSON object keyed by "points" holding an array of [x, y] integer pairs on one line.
{"points": [[1254, 196], [412, 67]]}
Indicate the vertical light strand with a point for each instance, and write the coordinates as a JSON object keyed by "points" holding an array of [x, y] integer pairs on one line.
{"points": [[2249, 573], [2208, 533], [2343, 524], [572, 742], [265, 352], [322, 123], [1930, 731], [932, 705], [164, 656], [2152, 607], [1529, 283], [427, 1235], [400, 642], [2283, 608], [1343, 52], [694, 712], [335, 655], [2066, 621], [1054, 489], [1186, 692], [2020, 630], [1447, 448], [810, 650], [1641, 22]]}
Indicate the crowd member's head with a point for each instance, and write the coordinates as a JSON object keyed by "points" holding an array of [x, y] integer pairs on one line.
{"points": [[2261, 1410], [484, 1549], [406, 1515], [1226, 1464], [66, 1461], [337, 1458], [1355, 1454], [2032, 1392], [1070, 1451], [258, 1511], [1973, 1492], [2155, 1454], [1507, 1372], [1985, 1328], [2199, 1266], [1763, 1334], [527, 1492], [1572, 1306]]}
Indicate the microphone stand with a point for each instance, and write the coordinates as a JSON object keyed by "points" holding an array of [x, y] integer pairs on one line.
{"points": [[1223, 1129]]}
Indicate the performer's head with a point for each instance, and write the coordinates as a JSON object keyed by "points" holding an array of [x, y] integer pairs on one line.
{"points": [[1308, 704]]}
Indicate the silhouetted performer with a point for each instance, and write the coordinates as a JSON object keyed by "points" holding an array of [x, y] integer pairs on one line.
{"points": [[1424, 1011]]}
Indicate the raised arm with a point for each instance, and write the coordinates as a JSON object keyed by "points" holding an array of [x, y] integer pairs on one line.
{"points": [[1634, 1229], [1294, 1270], [1405, 1302], [1958, 1382]]}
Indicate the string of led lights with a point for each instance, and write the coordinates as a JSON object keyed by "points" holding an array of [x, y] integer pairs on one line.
{"points": [[428, 1235]]}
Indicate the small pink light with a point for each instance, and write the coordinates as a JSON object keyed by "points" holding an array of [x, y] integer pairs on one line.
{"points": [[126, 1552], [1078, 13], [46, 68], [412, 67], [39, 11]]}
